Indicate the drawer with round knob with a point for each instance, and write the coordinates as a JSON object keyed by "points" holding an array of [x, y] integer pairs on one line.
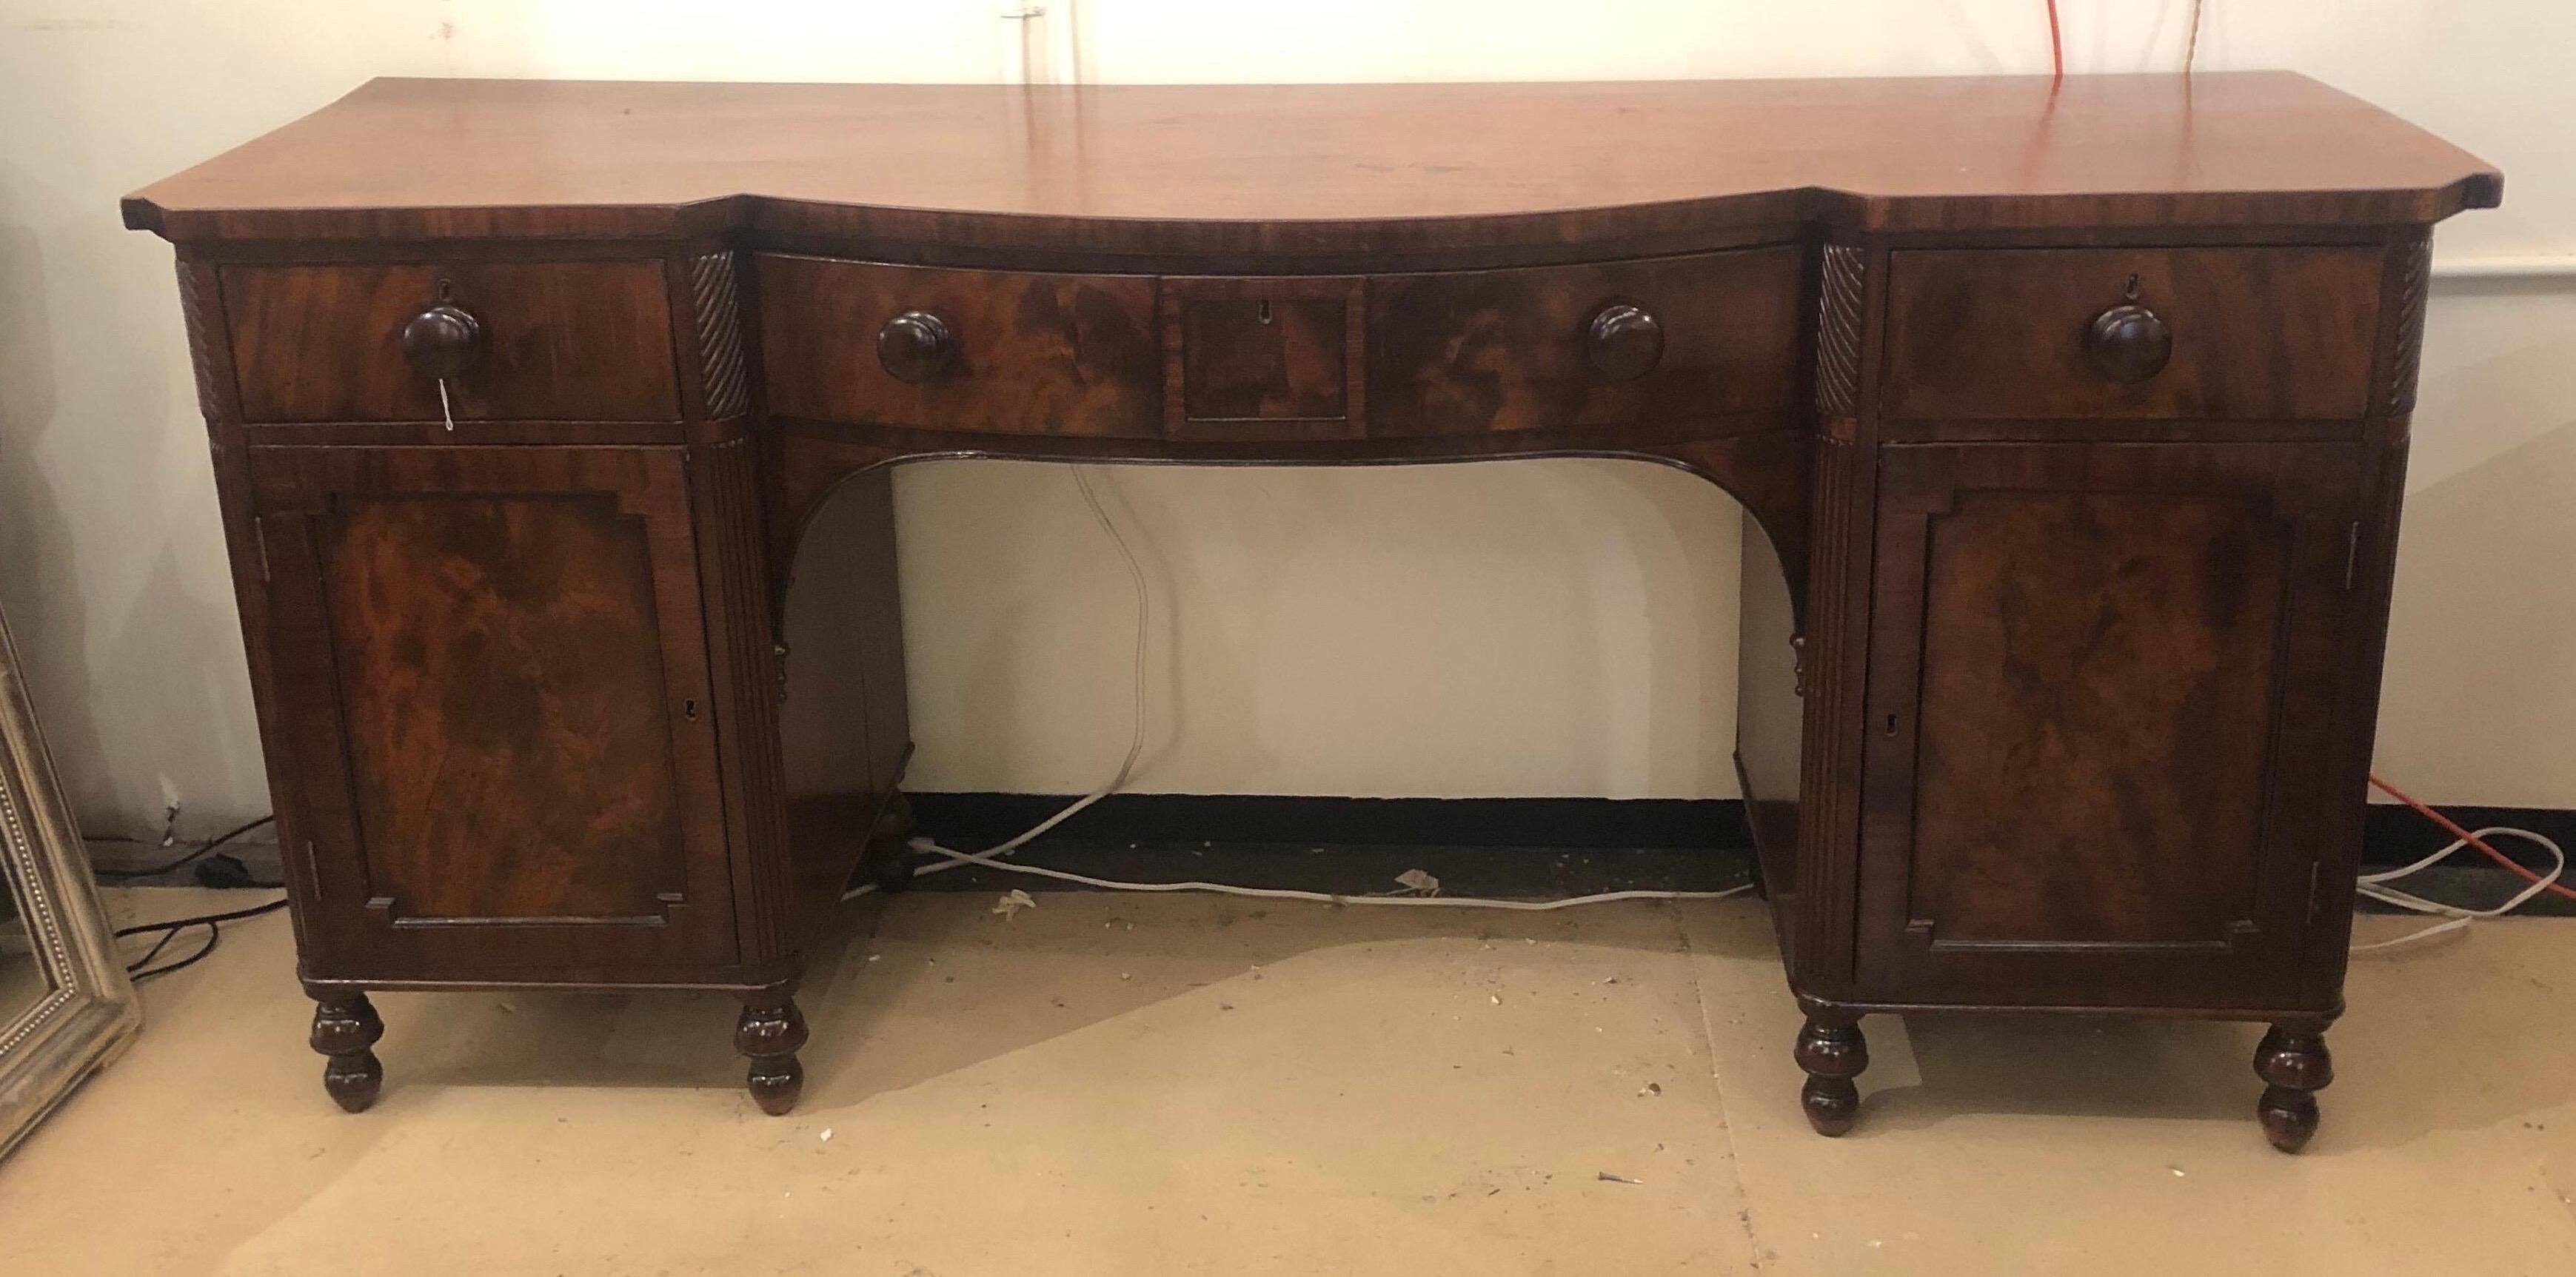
{"points": [[1263, 358], [1670, 342], [471, 341], [2218, 334], [975, 351]]}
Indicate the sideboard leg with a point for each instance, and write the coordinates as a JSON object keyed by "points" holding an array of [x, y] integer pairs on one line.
{"points": [[345, 1030], [1833, 1052], [889, 854], [770, 1032], [2293, 1062]]}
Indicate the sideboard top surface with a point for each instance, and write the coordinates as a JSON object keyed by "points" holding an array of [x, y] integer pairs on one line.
{"points": [[1318, 168]]}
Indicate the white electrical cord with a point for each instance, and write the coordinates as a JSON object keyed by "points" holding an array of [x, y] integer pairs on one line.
{"points": [[992, 857], [2374, 886], [956, 859]]}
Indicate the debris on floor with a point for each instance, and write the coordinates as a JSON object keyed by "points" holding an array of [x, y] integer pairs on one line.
{"points": [[1010, 905]]}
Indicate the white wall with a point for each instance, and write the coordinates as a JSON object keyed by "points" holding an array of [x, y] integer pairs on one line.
{"points": [[1521, 628]]}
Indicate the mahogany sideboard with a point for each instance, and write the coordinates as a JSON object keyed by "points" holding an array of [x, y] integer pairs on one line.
{"points": [[2069, 423]]}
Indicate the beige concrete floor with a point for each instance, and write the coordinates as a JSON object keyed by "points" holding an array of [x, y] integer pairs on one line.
{"points": [[1151, 1085]]}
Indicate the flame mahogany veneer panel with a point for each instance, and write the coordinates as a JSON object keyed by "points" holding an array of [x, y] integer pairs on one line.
{"points": [[498, 708], [2101, 679]]}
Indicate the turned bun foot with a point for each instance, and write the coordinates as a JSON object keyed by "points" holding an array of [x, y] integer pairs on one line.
{"points": [[1833, 1052], [1832, 1104], [2293, 1062], [775, 1085], [345, 1030], [354, 1080], [889, 854], [2289, 1117], [770, 1032]]}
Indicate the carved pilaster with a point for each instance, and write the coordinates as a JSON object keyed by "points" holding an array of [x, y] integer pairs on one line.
{"points": [[197, 306], [1838, 330], [2414, 284], [720, 358]]}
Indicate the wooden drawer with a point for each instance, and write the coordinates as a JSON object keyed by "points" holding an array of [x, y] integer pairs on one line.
{"points": [[1008, 352], [2250, 334], [1468, 351], [554, 341], [1263, 358]]}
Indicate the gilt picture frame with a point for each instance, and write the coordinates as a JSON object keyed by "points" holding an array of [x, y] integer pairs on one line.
{"points": [[87, 1013]]}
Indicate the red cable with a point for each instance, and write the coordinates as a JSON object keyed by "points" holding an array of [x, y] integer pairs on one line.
{"points": [[2056, 49], [2467, 837]]}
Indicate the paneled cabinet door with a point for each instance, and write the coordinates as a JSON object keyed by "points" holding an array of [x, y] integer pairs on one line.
{"points": [[491, 693], [2101, 720]]}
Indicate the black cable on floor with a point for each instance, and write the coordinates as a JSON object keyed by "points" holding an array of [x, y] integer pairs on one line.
{"points": [[214, 936], [193, 855], [141, 969]]}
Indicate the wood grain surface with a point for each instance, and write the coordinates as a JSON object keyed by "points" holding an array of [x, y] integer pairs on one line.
{"points": [[1317, 168]]}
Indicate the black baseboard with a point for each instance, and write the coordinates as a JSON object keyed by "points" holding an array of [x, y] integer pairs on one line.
{"points": [[2392, 835], [982, 819], [1522, 846], [1517, 847], [2395, 835]]}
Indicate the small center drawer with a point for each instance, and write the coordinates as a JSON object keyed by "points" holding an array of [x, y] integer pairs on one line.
{"points": [[2247, 334], [1264, 358], [537, 341]]}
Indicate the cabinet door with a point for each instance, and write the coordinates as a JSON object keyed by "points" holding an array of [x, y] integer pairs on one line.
{"points": [[491, 687], [2100, 716]]}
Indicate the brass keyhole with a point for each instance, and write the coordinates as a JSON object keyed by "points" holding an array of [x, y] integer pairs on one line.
{"points": [[1263, 310]]}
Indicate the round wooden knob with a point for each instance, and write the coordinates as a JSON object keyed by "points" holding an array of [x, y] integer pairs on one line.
{"points": [[1623, 341], [916, 346], [2128, 343], [443, 341]]}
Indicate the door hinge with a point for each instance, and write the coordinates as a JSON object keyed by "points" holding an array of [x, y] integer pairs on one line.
{"points": [[259, 530], [2351, 553]]}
